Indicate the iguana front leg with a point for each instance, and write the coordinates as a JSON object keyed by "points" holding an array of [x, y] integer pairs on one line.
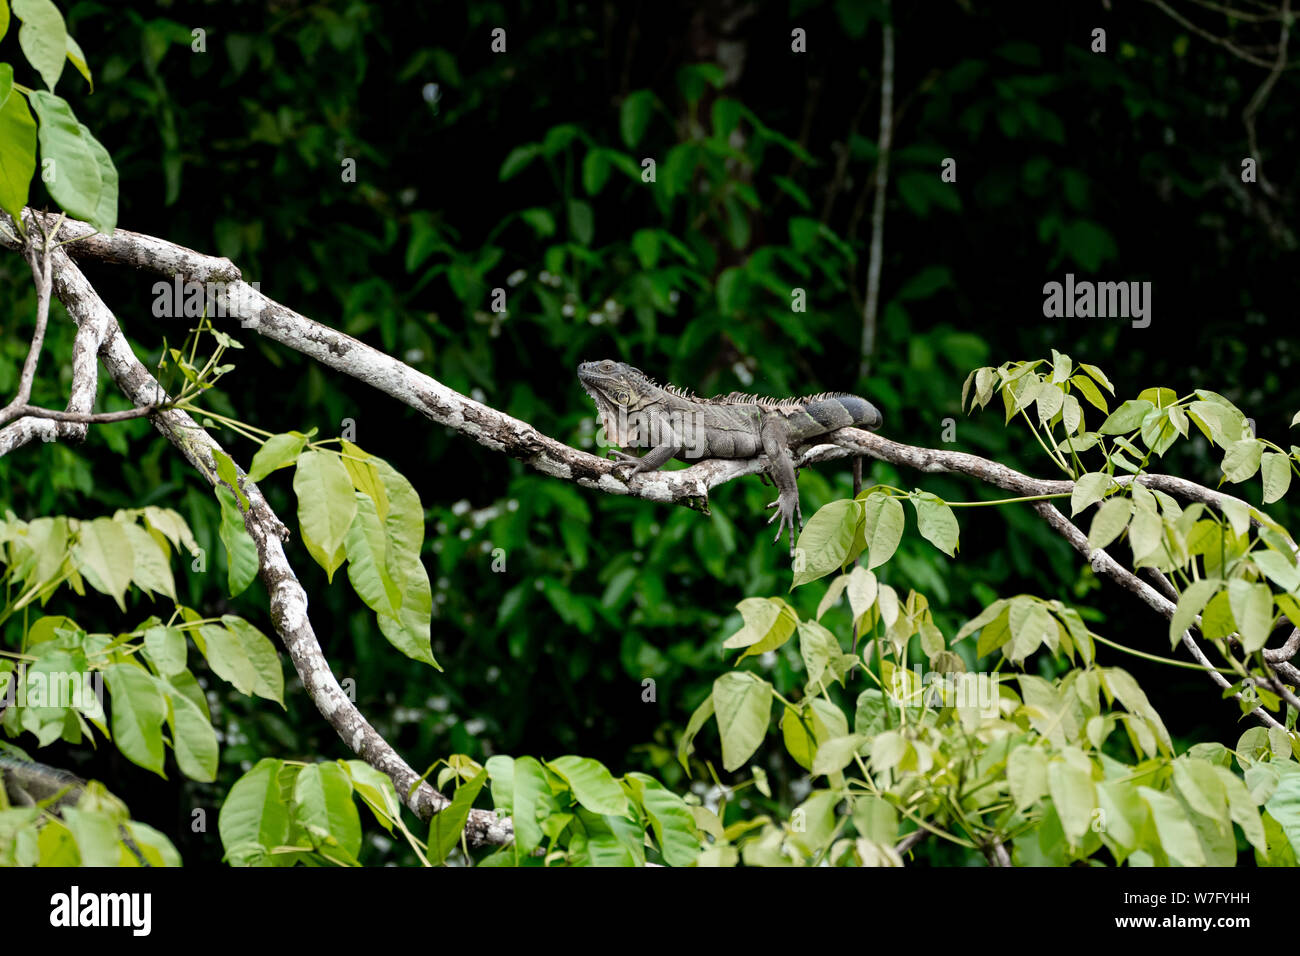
{"points": [[652, 460], [781, 468]]}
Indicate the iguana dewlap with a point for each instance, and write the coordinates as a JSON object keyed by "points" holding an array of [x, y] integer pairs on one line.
{"points": [[672, 423]]}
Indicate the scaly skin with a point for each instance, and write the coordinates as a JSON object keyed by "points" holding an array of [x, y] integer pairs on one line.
{"points": [[671, 423]]}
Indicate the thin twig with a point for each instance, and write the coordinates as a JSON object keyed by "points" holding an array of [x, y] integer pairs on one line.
{"points": [[885, 144]]}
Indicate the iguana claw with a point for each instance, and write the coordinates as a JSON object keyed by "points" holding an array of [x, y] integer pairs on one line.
{"points": [[791, 516], [623, 462]]}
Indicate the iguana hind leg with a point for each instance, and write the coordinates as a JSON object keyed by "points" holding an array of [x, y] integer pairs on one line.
{"points": [[781, 469]]}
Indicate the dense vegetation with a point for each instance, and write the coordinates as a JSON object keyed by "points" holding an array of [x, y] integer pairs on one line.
{"points": [[522, 170]]}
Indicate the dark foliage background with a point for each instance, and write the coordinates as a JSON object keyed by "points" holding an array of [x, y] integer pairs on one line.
{"points": [[1121, 165]]}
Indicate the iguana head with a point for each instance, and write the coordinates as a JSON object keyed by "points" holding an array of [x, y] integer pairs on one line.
{"points": [[617, 389]]}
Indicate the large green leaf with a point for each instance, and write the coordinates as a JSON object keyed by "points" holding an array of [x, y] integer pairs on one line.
{"points": [[254, 814], [670, 819], [104, 557], [242, 655], [404, 525], [17, 153], [326, 507], [139, 710], [43, 37], [447, 825], [936, 522], [323, 805], [73, 178], [825, 540], [242, 561], [592, 785], [278, 451], [193, 739], [743, 704], [369, 558]]}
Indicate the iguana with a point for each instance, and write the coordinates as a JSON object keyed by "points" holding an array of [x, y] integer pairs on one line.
{"points": [[673, 423]]}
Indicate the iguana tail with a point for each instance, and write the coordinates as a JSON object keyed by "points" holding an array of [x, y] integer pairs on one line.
{"points": [[825, 413], [28, 783]]}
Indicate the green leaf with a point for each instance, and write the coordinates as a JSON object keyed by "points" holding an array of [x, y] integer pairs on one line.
{"points": [[1276, 471], [1177, 836], [96, 835], [410, 632], [531, 790], [1027, 775], [1090, 392], [369, 557], [937, 523], [1284, 806], [104, 218], [1244, 811], [833, 594], [1089, 489], [17, 153], [837, 753], [670, 819], [326, 507], [447, 825], [103, 556], [1190, 603], [1128, 417], [193, 739], [138, 713], [43, 37], [1242, 459], [1073, 794], [634, 116], [150, 568], [743, 704], [825, 540], [582, 221], [268, 675], [882, 528], [541, 221], [377, 790], [254, 813], [595, 171], [243, 656], [818, 648], [78, 60], [1109, 522], [228, 473], [278, 451], [1252, 609], [518, 159], [592, 785], [1099, 376], [769, 622], [322, 804], [645, 243], [165, 648], [6, 72], [75, 179], [4, 21], [686, 746], [242, 561]]}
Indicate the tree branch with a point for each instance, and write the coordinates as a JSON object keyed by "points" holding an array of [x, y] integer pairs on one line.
{"points": [[1108, 566], [871, 308], [520, 440], [288, 600]]}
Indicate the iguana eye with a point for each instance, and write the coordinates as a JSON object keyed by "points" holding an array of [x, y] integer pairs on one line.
{"points": [[607, 365]]}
